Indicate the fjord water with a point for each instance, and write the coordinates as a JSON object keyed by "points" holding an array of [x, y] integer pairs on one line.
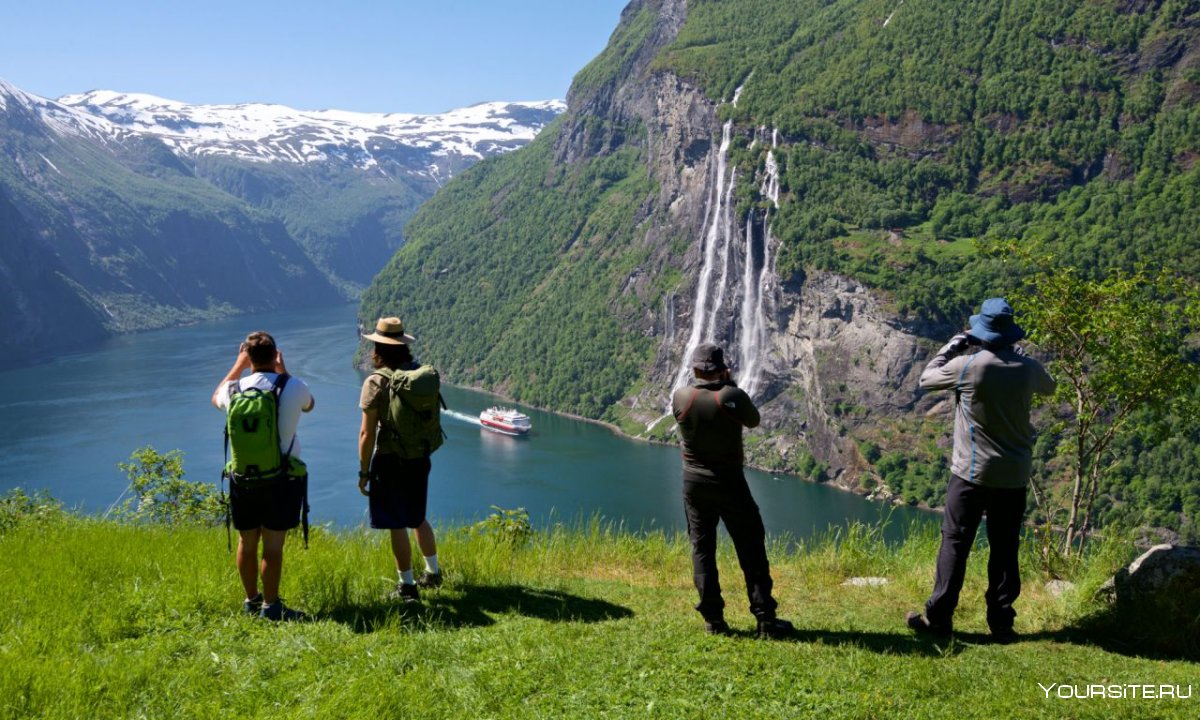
{"points": [[65, 424]]}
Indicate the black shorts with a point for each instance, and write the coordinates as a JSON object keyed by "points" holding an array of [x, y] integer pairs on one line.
{"points": [[273, 505], [399, 488]]}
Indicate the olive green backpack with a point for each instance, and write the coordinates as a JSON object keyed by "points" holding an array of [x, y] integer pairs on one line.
{"points": [[413, 417]]}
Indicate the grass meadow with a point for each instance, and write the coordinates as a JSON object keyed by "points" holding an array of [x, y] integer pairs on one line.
{"points": [[107, 620]]}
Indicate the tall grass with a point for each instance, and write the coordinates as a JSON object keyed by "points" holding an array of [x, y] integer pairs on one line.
{"points": [[583, 620]]}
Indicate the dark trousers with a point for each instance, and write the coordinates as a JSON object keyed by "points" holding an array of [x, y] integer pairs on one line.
{"points": [[706, 503], [966, 505]]}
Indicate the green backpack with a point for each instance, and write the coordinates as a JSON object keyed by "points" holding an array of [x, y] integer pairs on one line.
{"points": [[252, 446], [252, 434], [413, 418]]}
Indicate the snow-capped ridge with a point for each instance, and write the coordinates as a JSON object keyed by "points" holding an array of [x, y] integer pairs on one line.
{"points": [[262, 132]]}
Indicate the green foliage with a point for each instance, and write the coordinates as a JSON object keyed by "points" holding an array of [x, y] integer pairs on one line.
{"points": [[1117, 346], [1031, 120], [19, 508], [613, 63], [507, 526], [512, 275], [159, 492]]}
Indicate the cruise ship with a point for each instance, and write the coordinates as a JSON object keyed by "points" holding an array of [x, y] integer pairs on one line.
{"points": [[505, 420]]}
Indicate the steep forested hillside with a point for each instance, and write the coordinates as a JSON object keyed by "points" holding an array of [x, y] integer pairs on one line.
{"points": [[129, 231], [528, 307], [906, 137], [1054, 120]]}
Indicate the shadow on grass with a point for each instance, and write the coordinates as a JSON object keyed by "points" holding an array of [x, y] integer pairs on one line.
{"points": [[1097, 632], [1103, 633], [461, 606], [890, 643]]}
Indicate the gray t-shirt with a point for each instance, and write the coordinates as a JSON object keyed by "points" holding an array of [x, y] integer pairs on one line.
{"points": [[993, 438]]}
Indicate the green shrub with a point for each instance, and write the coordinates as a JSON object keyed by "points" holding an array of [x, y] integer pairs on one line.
{"points": [[159, 493], [18, 508]]}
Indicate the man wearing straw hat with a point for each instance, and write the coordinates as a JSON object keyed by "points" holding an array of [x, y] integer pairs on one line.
{"points": [[991, 464], [393, 477]]}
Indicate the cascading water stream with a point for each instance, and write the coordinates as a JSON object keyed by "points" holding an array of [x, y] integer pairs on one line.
{"points": [[713, 212], [726, 238], [741, 296], [756, 286]]}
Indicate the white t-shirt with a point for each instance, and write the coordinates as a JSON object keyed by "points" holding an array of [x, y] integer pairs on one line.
{"points": [[296, 396]]}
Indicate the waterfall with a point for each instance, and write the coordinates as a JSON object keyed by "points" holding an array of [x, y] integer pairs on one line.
{"points": [[714, 212], [751, 321], [736, 286], [726, 236], [758, 286]]}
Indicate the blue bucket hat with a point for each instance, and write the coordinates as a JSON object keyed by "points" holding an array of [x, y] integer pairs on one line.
{"points": [[994, 324]]}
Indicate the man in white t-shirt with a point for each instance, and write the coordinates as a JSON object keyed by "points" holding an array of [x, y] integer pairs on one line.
{"points": [[266, 512]]}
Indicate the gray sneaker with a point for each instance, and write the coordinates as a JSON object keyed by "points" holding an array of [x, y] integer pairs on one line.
{"points": [[430, 580], [253, 606], [278, 612]]}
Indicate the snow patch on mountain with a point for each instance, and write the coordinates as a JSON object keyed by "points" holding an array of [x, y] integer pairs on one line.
{"points": [[62, 119], [276, 133]]}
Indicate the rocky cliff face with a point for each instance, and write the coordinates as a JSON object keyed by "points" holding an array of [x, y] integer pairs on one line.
{"points": [[828, 358]]}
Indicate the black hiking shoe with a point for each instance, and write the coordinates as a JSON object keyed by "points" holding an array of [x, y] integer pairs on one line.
{"points": [[405, 592], [252, 606], [278, 612], [918, 624], [716, 627], [775, 629], [430, 580], [1004, 636]]}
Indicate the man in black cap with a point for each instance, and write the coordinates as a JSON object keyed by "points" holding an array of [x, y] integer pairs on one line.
{"points": [[991, 464], [711, 414]]}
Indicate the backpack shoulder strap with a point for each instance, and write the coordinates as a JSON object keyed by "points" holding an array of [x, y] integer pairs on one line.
{"points": [[691, 401], [277, 387]]}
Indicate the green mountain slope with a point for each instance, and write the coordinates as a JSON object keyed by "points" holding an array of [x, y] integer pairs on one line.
{"points": [[527, 307], [1072, 123], [130, 232], [568, 274]]}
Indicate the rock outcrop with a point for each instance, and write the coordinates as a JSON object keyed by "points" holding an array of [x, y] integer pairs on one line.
{"points": [[833, 357]]}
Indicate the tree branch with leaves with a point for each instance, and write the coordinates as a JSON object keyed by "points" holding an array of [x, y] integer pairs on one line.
{"points": [[1117, 345]]}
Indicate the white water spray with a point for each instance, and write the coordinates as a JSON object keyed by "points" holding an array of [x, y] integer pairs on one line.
{"points": [[758, 287], [713, 212], [742, 296], [889, 17]]}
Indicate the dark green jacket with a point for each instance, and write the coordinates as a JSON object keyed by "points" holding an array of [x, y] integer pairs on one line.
{"points": [[711, 416]]}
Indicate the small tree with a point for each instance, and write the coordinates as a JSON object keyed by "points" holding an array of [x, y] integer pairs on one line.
{"points": [[1116, 345], [159, 493]]}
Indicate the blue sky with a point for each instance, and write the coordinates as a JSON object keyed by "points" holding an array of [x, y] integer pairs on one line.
{"points": [[421, 56]]}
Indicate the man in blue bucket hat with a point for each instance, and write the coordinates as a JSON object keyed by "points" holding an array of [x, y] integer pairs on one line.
{"points": [[993, 457]]}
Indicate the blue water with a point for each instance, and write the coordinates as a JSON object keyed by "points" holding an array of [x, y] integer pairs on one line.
{"points": [[65, 424]]}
